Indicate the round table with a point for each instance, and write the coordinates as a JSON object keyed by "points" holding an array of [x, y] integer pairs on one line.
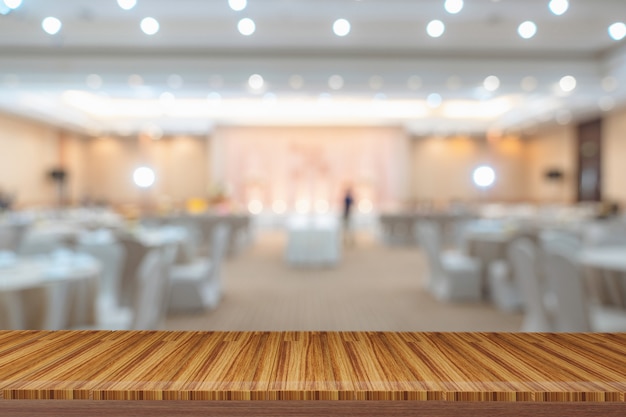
{"points": [[48, 292]]}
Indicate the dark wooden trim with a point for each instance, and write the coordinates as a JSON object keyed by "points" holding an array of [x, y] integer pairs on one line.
{"points": [[74, 408]]}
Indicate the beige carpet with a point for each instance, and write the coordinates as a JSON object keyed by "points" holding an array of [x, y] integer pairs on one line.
{"points": [[373, 288]]}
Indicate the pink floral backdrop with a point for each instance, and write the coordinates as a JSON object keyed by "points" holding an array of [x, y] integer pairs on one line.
{"points": [[308, 169]]}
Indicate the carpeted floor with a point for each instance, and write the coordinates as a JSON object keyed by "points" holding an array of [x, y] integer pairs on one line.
{"points": [[373, 288]]}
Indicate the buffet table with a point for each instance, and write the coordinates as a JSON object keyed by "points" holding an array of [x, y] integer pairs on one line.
{"points": [[135, 373], [313, 240]]}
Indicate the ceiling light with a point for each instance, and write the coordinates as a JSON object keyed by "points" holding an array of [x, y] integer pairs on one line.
{"points": [[491, 83], [528, 83], [341, 27], [335, 82], [606, 103], [93, 81], [433, 100], [149, 25], [609, 84], [255, 81], [527, 29], [135, 80], [453, 6], [435, 28], [143, 177], [567, 83], [414, 82], [558, 7], [167, 99], [453, 82], [296, 82], [51, 25], [13, 4], [237, 5], [214, 98], [127, 4], [376, 82], [174, 81], [255, 206], [617, 31], [484, 176], [269, 98], [246, 26]]}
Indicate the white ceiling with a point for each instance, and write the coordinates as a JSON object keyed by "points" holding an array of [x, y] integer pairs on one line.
{"points": [[44, 76]]}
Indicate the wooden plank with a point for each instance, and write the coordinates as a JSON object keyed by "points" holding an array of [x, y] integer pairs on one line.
{"points": [[313, 366]]}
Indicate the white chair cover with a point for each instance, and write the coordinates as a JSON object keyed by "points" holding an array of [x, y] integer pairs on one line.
{"points": [[522, 254], [111, 255], [453, 276], [573, 313], [197, 285]]}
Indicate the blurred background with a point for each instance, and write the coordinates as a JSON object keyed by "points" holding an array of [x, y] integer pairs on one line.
{"points": [[438, 165]]}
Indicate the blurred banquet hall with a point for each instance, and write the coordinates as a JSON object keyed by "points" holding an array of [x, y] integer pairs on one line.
{"points": [[183, 165]]}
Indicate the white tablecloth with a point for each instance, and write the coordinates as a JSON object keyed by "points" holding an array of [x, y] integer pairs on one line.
{"points": [[47, 292], [313, 240]]}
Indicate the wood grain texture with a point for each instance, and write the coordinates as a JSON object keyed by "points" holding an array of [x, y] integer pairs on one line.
{"points": [[356, 366]]}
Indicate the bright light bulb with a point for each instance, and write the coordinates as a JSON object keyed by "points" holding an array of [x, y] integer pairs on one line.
{"points": [[256, 82], [558, 7], [491, 83], [175, 81], [529, 83], [484, 176], [335, 82], [94, 81], [51, 25], [433, 100], [149, 25], [435, 28], [246, 26], [617, 31], [567, 83], [255, 206], [143, 177], [453, 6], [237, 5], [127, 4], [527, 29], [341, 27], [13, 4]]}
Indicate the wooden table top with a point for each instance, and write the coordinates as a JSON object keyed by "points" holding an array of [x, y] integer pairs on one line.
{"points": [[154, 365]]}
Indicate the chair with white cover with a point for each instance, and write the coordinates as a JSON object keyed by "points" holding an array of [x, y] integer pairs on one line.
{"points": [[111, 255], [453, 275], [503, 289], [197, 285], [524, 260], [149, 302], [573, 312]]}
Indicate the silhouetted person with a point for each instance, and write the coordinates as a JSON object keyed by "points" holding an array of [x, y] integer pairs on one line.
{"points": [[348, 202]]}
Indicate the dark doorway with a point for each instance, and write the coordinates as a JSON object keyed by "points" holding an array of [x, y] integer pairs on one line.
{"points": [[589, 151]]}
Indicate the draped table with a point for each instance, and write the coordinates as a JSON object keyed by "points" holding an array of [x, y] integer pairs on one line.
{"points": [[313, 240], [48, 292], [146, 373]]}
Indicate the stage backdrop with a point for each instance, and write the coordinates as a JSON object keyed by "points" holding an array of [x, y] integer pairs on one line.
{"points": [[307, 169]]}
